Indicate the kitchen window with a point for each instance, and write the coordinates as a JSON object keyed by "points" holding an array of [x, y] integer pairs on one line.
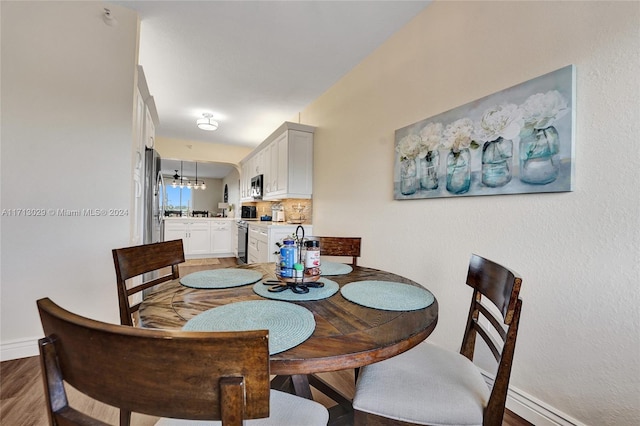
{"points": [[179, 199]]}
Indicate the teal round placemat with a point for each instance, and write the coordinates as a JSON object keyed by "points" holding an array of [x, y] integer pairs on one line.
{"points": [[387, 295], [329, 289], [334, 268], [288, 324], [220, 278]]}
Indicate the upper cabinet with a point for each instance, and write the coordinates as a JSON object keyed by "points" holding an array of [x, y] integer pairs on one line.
{"points": [[146, 119], [285, 159]]}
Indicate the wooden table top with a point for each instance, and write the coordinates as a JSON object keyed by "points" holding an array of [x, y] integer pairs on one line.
{"points": [[347, 335]]}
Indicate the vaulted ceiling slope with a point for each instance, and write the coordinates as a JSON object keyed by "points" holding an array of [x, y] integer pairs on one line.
{"points": [[253, 64]]}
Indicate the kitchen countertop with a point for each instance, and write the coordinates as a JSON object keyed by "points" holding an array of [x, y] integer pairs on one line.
{"points": [[263, 223], [189, 218]]}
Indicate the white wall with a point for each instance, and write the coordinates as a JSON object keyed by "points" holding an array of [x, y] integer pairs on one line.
{"points": [[209, 198], [67, 129], [578, 252], [232, 180]]}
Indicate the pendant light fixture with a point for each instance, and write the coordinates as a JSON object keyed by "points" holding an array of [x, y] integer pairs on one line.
{"points": [[199, 185], [207, 123], [203, 186], [178, 180]]}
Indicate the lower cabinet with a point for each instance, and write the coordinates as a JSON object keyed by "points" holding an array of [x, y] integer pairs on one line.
{"points": [[201, 238], [257, 247], [221, 237]]}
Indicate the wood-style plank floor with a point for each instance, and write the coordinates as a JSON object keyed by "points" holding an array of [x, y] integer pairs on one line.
{"points": [[22, 396]]}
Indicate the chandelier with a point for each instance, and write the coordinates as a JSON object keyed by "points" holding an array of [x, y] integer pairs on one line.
{"points": [[179, 180]]}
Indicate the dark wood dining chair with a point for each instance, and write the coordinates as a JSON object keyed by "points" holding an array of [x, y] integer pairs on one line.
{"points": [[340, 246], [429, 385], [171, 374], [136, 261]]}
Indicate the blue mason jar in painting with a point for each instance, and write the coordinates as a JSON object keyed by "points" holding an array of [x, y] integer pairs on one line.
{"points": [[408, 176], [496, 162], [459, 171], [538, 156], [428, 168]]}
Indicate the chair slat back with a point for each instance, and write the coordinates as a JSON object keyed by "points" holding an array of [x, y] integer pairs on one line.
{"points": [[496, 282], [131, 262], [341, 246], [501, 287], [164, 373]]}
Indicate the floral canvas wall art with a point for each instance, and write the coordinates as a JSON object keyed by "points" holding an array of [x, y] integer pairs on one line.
{"points": [[519, 140]]}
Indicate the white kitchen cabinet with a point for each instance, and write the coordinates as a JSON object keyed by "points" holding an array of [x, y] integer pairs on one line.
{"points": [[199, 238], [146, 120], [202, 237], [221, 237], [258, 243], [285, 159], [195, 235], [137, 196], [293, 174], [262, 245], [247, 170], [244, 171]]}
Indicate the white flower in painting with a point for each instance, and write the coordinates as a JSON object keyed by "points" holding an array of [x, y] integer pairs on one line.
{"points": [[409, 147], [457, 135], [503, 121], [542, 110], [430, 138]]}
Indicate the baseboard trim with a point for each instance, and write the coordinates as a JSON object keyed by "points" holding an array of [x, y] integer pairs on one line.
{"points": [[18, 349], [532, 409]]}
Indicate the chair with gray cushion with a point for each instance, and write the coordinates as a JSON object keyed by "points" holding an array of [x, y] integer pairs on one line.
{"points": [[137, 261], [428, 385], [173, 374]]}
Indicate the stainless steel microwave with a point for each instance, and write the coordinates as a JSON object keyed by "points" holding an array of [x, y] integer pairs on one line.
{"points": [[256, 187]]}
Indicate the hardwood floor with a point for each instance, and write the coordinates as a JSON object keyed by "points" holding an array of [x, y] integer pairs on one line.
{"points": [[22, 396]]}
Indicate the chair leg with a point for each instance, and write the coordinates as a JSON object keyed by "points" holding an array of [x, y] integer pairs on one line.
{"points": [[125, 418]]}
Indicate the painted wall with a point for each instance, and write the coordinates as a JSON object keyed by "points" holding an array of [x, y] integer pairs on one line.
{"points": [[209, 198], [232, 180], [577, 252], [179, 149], [67, 132]]}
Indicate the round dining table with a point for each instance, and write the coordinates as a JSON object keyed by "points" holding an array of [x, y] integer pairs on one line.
{"points": [[347, 335]]}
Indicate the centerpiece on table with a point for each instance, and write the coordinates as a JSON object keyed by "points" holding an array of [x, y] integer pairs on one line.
{"points": [[298, 265]]}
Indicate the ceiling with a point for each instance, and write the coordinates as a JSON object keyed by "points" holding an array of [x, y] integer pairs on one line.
{"points": [[253, 64], [187, 169]]}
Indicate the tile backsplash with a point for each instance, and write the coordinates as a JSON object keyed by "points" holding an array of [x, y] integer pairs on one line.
{"points": [[292, 207]]}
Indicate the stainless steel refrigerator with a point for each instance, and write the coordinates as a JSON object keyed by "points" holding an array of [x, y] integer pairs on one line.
{"points": [[154, 197]]}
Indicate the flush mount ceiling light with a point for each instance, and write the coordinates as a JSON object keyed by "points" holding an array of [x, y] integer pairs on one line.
{"points": [[207, 123]]}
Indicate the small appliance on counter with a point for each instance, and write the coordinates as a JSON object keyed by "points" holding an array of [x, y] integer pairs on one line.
{"points": [[249, 212], [277, 212]]}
